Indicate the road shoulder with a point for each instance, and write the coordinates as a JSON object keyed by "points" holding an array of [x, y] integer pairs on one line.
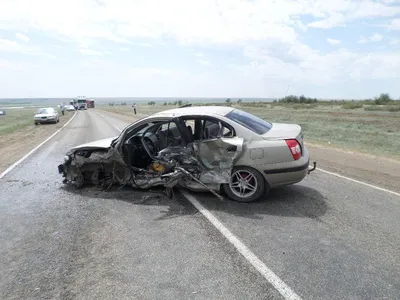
{"points": [[15, 145], [380, 171]]}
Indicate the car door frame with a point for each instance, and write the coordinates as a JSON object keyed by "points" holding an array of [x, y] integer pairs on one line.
{"points": [[230, 149]]}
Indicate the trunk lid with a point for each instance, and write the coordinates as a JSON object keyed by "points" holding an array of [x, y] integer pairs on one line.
{"points": [[285, 131]]}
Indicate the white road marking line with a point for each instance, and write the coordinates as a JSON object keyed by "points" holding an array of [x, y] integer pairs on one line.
{"points": [[10, 168], [116, 127], [358, 181], [268, 274], [105, 118], [279, 285], [272, 278]]}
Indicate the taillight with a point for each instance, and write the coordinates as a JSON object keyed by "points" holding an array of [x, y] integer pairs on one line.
{"points": [[294, 148]]}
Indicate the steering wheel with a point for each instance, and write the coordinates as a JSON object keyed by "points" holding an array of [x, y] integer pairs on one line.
{"points": [[149, 146]]}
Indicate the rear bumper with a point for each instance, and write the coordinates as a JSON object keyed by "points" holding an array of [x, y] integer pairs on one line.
{"points": [[290, 172], [287, 176], [301, 168]]}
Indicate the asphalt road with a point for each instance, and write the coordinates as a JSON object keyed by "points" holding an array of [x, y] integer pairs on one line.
{"points": [[326, 238]]}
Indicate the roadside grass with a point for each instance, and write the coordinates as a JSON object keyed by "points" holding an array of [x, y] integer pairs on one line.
{"points": [[368, 131], [390, 108], [16, 119], [352, 105]]}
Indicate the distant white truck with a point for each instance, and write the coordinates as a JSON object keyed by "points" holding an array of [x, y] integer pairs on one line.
{"points": [[80, 102]]}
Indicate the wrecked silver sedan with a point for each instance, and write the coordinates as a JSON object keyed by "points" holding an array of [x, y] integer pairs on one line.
{"points": [[214, 148]]}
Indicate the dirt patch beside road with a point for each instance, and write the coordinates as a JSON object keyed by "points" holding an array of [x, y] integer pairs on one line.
{"points": [[380, 171], [15, 145]]}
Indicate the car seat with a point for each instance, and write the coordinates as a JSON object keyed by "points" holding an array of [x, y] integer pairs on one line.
{"points": [[190, 131]]}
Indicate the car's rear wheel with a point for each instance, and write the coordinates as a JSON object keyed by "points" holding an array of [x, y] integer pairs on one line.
{"points": [[247, 185]]}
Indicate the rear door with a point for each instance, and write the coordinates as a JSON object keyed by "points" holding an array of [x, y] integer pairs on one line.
{"points": [[217, 150]]}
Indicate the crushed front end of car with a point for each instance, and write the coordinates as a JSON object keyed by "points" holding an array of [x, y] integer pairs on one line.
{"points": [[198, 165]]}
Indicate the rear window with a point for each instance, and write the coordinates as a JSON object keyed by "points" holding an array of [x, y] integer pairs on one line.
{"points": [[249, 121]]}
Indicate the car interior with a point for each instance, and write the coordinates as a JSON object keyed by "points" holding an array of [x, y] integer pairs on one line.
{"points": [[158, 136]]}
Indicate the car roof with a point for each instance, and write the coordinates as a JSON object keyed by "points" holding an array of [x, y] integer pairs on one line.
{"points": [[196, 110]]}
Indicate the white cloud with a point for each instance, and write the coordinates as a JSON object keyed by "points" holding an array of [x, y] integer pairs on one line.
{"points": [[13, 46], [22, 37], [204, 62], [371, 39], [394, 24], [147, 45], [91, 52], [376, 37], [394, 41], [334, 20], [269, 32], [390, 1], [13, 66], [227, 21], [198, 54], [334, 13], [152, 71], [333, 41], [300, 64], [9, 46]]}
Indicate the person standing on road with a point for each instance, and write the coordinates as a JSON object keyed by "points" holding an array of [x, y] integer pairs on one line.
{"points": [[62, 108], [134, 107]]}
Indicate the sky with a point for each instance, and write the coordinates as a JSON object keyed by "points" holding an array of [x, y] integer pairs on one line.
{"points": [[333, 49]]}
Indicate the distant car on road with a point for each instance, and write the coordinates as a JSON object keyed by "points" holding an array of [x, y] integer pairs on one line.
{"points": [[2, 112], [214, 148], [46, 115], [70, 108]]}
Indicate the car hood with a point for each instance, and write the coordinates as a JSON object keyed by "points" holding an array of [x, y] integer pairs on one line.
{"points": [[283, 131], [104, 144], [100, 144]]}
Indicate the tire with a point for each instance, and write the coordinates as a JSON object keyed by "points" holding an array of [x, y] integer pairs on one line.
{"points": [[36, 123], [255, 179]]}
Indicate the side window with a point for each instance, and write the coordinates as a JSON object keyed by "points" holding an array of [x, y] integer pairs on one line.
{"points": [[212, 130], [170, 129], [169, 135]]}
